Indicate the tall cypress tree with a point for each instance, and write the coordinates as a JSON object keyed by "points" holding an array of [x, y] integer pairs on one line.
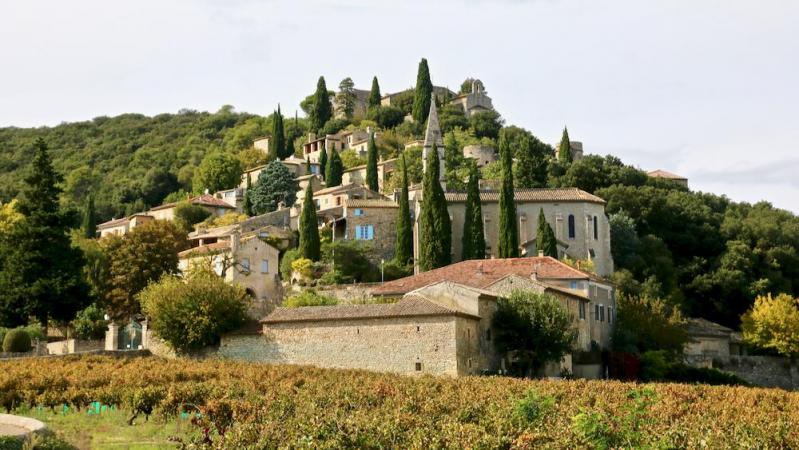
{"points": [[89, 222], [435, 228], [41, 274], [565, 148], [473, 242], [335, 169], [371, 165], [403, 254], [323, 164], [545, 240], [309, 228], [374, 94], [247, 206], [508, 246], [422, 93], [278, 135], [322, 108]]}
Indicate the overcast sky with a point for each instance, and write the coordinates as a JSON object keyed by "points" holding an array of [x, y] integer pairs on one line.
{"points": [[706, 89]]}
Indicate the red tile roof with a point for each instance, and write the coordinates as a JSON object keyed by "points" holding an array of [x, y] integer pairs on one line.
{"points": [[533, 195], [204, 200], [409, 306], [112, 223], [205, 249], [481, 273], [665, 174]]}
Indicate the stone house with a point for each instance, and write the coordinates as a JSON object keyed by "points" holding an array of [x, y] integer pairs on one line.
{"points": [[441, 329], [262, 144], [679, 179], [296, 166], [357, 174], [710, 344], [482, 154], [440, 92], [589, 299], [475, 101], [361, 104], [373, 221], [316, 145]]}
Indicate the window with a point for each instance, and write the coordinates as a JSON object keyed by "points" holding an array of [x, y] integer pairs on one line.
{"points": [[488, 335], [601, 313], [418, 367], [358, 212], [610, 314], [469, 361], [572, 228], [245, 264], [264, 266], [596, 312], [263, 234], [469, 333], [573, 285], [596, 228], [365, 232], [582, 310], [418, 328]]}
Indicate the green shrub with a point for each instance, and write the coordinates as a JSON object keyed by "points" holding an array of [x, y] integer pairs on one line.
{"points": [[394, 271], [656, 365], [3, 332], [285, 264], [35, 331], [90, 323], [533, 407], [309, 297], [625, 429], [17, 341]]}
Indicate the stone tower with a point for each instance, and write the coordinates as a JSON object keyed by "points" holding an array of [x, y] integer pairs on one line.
{"points": [[433, 136]]}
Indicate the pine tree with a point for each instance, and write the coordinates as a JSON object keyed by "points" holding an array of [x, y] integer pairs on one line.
{"points": [[278, 144], [371, 165], [322, 109], [309, 228], [422, 93], [335, 170], [42, 273], [473, 242], [508, 246], [247, 206], [545, 240], [323, 164], [435, 229], [565, 148], [89, 222], [404, 246], [374, 94]]}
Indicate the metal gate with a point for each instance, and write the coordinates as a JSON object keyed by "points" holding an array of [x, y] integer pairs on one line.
{"points": [[130, 336]]}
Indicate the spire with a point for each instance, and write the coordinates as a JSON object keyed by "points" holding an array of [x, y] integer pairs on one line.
{"points": [[433, 133]]}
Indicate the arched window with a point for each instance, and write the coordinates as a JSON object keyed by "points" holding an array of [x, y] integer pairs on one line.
{"points": [[572, 232], [596, 228]]}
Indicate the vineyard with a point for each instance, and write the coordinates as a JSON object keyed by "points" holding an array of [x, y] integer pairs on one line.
{"points": [[242, 406]]}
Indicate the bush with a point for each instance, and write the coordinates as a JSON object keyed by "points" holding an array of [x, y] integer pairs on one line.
{"points": [[309, 297], [303, 267], [386, 116], [349, 258], [194, 312], [661, 365], [393, 271], [285, 263], [35, 331], [90, 323], [533, 407], [655, 365], [17, 341]]}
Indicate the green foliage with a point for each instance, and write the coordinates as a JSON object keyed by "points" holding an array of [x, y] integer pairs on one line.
{"points": [[286, 261], [90, 323], [137, 259], [403, 248], [532, 158], [455, 165], [309, 297], [247, 206], [334, 169], [193, 312], [435, 229], [405, 101], [508, 245], [392, 270], [661, 365], [486, 124], [187, 215], [644, 324], [535, 327], [345, 99], [16, 341], [386, 116], [40, 271], [773, 323], [451, 117], [277, 146], [333, 126], [423, 93], [350, 260], [533, 408], [473, 241], [371, 165], [323, 163], [545, 240], [322, 109], [275, 185], [374, 94], [309, 228], [466, 86], [565, 148], [89, 223], [600, 430], [593, 172], [217, 172]]}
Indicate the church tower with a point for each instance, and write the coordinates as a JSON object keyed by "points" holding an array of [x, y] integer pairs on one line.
{"points": [[433, 136]]}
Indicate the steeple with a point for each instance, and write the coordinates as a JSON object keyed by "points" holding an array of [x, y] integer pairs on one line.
{"points": [[433, 136]]}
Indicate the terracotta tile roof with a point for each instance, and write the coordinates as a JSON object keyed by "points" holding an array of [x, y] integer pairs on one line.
{"points": [[370, 203], [408, 306], [533, 195], [339, 188], [481, 273], [664, 174], [210, 200], [112, 223], [702, 327], [205, 249]]}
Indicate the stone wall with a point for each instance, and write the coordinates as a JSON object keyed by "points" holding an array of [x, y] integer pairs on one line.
{"points": [[408, 345], [69, 346], [766, 371], [384, 222]]}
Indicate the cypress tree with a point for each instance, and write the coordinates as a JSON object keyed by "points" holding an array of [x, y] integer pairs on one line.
{"points": [[545, 240], [309, 228], [335, 170], [278, 143], [323, 164], [422, 93], [473, 242], [89, 223], [403, 253], [435, 240], [322, 108], [508, 246], [565, 148], [247, 206], [371, 165], [374, 94]]}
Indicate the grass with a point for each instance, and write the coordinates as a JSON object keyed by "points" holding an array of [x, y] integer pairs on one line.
{"points": [[110, 430]]}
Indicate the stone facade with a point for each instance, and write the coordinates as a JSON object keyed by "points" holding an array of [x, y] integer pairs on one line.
{"points": [[475, 101], [373, 222], [482, 154], [357, 174]]}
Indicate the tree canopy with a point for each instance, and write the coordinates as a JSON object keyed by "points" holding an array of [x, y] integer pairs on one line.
{"points": [[423, 93], [275, 185], [435, 229]]}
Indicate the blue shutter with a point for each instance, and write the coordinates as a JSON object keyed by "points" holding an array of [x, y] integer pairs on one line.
{"points": [[371, 232]]}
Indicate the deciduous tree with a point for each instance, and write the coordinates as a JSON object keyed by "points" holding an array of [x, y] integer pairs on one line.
{"points": [[773, 323], [218, 171]]}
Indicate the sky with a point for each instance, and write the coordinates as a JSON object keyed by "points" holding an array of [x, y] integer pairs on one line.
{"points": [[703, 88]]}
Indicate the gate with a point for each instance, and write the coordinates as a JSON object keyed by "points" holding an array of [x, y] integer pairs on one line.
{"points": [[130, 336]]}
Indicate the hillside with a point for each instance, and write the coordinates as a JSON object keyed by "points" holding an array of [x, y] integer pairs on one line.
{"points": [[262, 406]]}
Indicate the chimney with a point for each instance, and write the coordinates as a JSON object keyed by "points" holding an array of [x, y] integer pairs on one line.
{"points": [[540, 253], [480, 268], [206, 191], [234, 243]]}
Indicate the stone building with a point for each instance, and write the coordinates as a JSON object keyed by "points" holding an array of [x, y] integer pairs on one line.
{"points": [[662, 174], [360, 105], [709, 342], [357, 174], [576, 150], [373, 222], [475, 101], [481, 154], [262, 144]]}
